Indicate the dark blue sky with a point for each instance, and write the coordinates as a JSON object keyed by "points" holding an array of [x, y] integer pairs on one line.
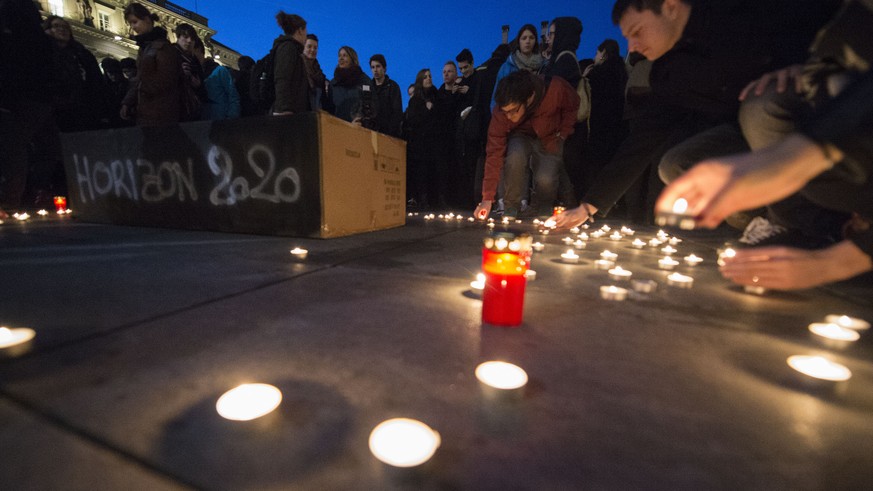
{"points": [[411, 35]]}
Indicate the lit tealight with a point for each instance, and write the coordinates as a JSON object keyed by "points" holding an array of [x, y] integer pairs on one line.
{"points": [[501, 375], [834, 332], [22, 216], [248, 402], [550, 223], [530, 275], [644, 286], [663, 235], [726, 254], [608, 255], [680, 280], [667, 262], [299, 253], [754, 289], [42, 213], [604, 264], [479, 284], [582, 236], [575, 230], [638, 244], [403, 442], [598, 234], [616, 236], [570, 256], [674, 241], [669, 250], [848, 322], [15, 336], [655, 243], [693, 260], [680, 206], [606, 228], [538, 246], [567, 240], [580, 244], [819, 368], [471, 219], [490, 225], [627, 231], [619, 274], [612, 292]]}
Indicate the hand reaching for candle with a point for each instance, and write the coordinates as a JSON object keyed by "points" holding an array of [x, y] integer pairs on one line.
{"points": [[575, 217], [786, 268], [717, 187], [482, 210]]}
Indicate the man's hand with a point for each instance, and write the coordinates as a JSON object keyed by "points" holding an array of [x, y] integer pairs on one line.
{"points": [[573, 218], [482, 210], [782, 78]]}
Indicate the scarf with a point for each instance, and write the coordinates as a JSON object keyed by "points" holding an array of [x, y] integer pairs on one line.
{"points": [[314, 73], [532, 62], [154, 34], [347, 77]]}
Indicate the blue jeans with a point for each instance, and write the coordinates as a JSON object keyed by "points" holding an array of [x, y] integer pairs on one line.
{"points": [[523, 151]]}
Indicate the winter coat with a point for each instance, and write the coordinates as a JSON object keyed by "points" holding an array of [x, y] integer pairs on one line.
{"points": [[390, 107], [348, 96], [224, 100], [79, 89], [289, 74], [423, 127], [155, 93], [551, 120], [567, 34]]}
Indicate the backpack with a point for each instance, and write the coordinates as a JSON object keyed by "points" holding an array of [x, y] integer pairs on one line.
{"points": [[262, 84], [584, 91]]}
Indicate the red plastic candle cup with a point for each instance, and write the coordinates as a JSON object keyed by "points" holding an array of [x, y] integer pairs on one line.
{"points": [[60, 203], [504, 264]]}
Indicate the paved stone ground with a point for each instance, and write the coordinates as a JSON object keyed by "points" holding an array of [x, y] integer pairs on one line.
{"points": [[139, 331]]}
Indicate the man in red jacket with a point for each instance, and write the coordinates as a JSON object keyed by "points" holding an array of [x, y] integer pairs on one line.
{"points": [[531, 119]]}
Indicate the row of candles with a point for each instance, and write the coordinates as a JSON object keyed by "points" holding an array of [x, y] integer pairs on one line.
{"points": [[60, 208]]}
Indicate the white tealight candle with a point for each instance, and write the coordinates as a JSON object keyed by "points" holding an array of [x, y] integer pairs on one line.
{"points": [[490, 220], [604, 264], [575, 230], [567, 240], [680, 206], [613, 293], [299, 253], [674, 241], [608, 255], [580, 244], [644, 286], [606, 228], [544, 232], [848, 322], [570, 257], [530, 275], [693, 260], [616, 236], [667, 262], [403, 442], [490, 225], [582, 236], [655, 243], [42, 213], [819, 368], [550, 223], [663, 235], [15, 336], [725, 254], [598, 234], [669, 250], [22, 217], [834, 334], [680, 280], [627, 231], [619, 274], [638, 244], [441, 216], [538, 246], [754, 289], [479, 284], [537, 221], [248, 401], [501, 375], [471, 219]]}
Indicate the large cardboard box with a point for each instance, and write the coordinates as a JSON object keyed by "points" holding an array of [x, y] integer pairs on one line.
{"points": [[307, 175]]}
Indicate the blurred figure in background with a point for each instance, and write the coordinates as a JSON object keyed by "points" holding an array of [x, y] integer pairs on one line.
{"points": [[223, 99]]}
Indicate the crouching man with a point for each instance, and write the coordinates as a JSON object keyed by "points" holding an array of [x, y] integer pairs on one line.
{"points": [[531, 120]]}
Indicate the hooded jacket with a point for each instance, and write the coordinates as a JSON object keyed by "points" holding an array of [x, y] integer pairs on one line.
{"points": [[289, 75], [568, 32]]}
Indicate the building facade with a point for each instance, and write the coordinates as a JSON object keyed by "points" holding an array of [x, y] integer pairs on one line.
{"points": [[100, 26]]}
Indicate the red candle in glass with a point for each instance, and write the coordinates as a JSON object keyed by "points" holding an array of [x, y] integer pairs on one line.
{"points": [[503, 296], [60, 203]]}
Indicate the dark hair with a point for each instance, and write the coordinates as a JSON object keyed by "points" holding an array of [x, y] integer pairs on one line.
{"points": [[352, 54], [110, 64], [187, 30], [450, 62], [127, 63], [465, 55], [622, 6], [419, 83], [198, 44], [610, 48], [47, 23], [140, 12], [290, 23], [245, 63], [312, 37], [531, 28], [379, 58], [517, 87], [585, 63]]}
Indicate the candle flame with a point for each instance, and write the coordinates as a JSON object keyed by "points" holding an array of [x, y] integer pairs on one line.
{"points": [[680, 206]]}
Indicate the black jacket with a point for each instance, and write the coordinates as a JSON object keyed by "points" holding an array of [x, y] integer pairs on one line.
{"points": [[390, 113], [289, 75], [568, 31]]}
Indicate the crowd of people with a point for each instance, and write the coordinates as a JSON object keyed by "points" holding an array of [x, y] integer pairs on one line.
{"points": [[756, 112]]}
